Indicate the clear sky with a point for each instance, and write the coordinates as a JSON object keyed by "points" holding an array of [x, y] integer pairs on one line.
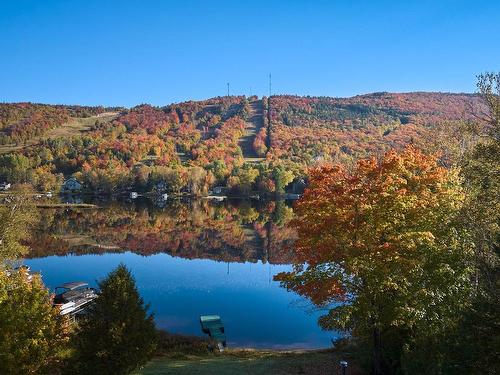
{"points": [[128, 52]]}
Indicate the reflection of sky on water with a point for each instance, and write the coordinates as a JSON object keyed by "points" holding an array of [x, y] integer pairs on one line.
{"points": [[256, 311]]}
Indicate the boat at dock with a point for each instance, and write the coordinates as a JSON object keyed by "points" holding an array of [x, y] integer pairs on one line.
{"points": [[72, 298]]}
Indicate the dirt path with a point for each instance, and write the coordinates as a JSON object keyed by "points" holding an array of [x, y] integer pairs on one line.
{"points": [[253, 125]]}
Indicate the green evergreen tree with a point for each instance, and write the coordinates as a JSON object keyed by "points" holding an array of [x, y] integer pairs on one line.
{"points": [[118, 335]]}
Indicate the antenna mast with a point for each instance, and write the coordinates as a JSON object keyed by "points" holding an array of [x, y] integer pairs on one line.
{"points": [[228, 89], [270, 85]]}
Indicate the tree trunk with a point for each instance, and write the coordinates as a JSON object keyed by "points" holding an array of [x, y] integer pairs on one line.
{"points": [[377, 352]]}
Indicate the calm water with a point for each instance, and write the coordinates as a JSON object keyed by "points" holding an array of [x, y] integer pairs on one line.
{"points": [[189, 259]]}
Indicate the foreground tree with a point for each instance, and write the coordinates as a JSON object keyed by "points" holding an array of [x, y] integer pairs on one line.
{"points": [[481, 171], [379, 247], [117, 335], [475, 347], [32, 334]]}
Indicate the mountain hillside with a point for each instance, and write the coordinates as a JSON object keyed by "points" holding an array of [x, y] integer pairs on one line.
{"points": [[195, 145], [307, 129]]}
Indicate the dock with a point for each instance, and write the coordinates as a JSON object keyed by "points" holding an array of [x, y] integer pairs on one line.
{"points": [[212, 325]]}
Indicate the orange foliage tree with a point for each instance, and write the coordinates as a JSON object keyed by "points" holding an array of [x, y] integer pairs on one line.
{"points": [[379, 248]]}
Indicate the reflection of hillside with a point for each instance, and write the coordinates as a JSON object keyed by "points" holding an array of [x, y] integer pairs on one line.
{"points": [[228, 233]]}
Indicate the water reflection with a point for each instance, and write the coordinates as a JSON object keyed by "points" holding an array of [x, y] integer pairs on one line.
{"points": [[189, 259], [231, 232]]}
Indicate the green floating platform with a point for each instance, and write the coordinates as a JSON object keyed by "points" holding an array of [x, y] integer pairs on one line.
{"points": [[212, 326]]}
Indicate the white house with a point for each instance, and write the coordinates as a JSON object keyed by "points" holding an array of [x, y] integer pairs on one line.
{"points": [[71, 184]]}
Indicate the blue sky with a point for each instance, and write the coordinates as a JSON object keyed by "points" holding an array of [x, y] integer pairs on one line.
{"points": [[130, 52]]}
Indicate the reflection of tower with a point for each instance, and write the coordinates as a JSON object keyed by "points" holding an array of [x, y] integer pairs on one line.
{"points": [[269, 237], [268, 246], [228, 268]]}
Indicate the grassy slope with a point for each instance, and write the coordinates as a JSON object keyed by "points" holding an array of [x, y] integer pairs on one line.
{"points": [[75, 126], [248, 362]]}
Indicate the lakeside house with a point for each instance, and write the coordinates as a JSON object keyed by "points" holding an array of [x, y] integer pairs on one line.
{"points": [[220, 190], [4, 186], [71, 185]]}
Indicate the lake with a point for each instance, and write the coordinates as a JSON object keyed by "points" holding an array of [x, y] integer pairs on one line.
{"points": [[189, 259]]}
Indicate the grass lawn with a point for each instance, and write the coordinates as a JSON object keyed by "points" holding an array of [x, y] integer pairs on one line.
{"points": [[235, 362]]}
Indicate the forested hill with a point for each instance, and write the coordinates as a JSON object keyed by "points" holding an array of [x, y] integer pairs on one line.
{"points": [[195, 145], [20, 122], [311, 128]]}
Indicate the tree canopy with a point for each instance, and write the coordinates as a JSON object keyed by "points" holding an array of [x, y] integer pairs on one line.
{"points": [[31, 331], [380, 248]]}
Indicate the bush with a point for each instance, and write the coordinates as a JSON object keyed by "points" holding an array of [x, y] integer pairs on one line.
{"points": [[175, 345]]}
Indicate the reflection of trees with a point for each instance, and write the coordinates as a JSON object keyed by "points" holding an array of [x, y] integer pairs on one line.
{"points": [[232, 232]]}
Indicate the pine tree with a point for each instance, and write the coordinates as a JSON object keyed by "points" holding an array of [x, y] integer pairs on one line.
{"points": [[117, 335]]}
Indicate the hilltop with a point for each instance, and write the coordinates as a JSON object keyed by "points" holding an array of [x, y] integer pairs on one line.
{"points": [[247, 144]]}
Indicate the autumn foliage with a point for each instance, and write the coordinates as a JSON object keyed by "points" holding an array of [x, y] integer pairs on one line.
{"points": [[366, 209], [292, 133], [23, 121], [308, 130], [378, 243]]}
